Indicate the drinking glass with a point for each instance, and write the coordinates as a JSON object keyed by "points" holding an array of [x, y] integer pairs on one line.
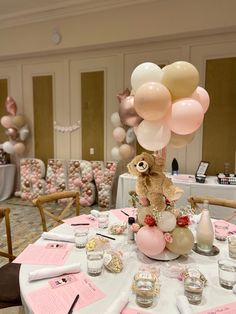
{"points": [[81, 237], [232, 246], [193, 288], [103, 220], [227, 273], [94, 262]]}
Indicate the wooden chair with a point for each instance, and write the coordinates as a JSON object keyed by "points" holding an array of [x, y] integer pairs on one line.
{"points": [[9, 273], [40, 201], [199, 199], [5, 215]]}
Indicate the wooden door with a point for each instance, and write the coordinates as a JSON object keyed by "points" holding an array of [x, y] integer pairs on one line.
{"points": [[92, 112], [219, 136]]}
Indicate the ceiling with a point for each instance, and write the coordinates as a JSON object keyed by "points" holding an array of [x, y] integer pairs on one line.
{"points": [[18, 12]]}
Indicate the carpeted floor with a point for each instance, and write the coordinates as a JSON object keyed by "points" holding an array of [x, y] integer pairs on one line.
{"points": [[26, 225]]}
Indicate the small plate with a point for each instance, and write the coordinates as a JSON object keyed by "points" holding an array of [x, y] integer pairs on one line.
{"points": [[213, 252]]}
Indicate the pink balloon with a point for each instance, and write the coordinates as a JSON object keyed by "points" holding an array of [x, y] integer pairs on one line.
{"points": [[119, 134], [10, 105], [185, 116], [6, 122], [150, 240], [19, 148], [202, 96]]}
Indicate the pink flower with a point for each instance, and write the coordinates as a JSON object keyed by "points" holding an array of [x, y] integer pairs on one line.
{"points": [[168, 237], [135, 227]]}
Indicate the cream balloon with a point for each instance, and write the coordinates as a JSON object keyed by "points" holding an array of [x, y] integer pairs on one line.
{"points": [[153, 135], [152, 101], [183, 241], [115, 153], [145, 72], [6, 122], [18, 121], [179, 141], [167, 221], [181, 78], [115, 119], [125, 151]]}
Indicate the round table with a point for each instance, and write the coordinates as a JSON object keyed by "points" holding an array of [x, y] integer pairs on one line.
{"points": [[113, 284]]}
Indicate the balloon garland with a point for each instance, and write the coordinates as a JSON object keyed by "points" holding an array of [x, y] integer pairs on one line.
{"points": [[16, 129], [56, 176], [32, 172], [166, 107], [124, 121], [104, 174], [80, 177]]}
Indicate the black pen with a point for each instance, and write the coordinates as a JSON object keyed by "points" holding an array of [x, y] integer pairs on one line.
{"points": [[105, 236], [81, 224], [73, 304], [124, 213]]}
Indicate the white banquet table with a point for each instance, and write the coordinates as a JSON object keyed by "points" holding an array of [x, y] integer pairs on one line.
{"points": [[7, 180], [113, 284], [187, 183]]}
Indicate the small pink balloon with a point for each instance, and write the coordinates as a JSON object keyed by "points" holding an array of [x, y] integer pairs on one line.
{"points": [[150, 240], [202, 96], [185, 116], [19, 148], [6, 122], [10, 105], [119, 134]]}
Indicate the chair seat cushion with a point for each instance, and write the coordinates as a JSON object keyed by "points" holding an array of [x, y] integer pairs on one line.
{"points": [[9, 285]]}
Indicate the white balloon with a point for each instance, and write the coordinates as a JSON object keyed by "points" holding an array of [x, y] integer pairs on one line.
{"points": [[115, 152], [145, 72], [167, 222], [115, 119], [24, 133], [8, 147], [153, 135], [130, 136]]}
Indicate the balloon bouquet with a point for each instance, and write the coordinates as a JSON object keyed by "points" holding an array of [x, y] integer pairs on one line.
{"points": [[171, 107], [166, 107], [16, 129]]}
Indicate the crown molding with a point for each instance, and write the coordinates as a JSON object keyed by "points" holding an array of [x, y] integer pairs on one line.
{"points": [[63, 9]]}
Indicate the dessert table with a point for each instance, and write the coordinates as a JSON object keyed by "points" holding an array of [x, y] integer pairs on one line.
{"points": [[112, 284], [190, 187], [7, 180]]}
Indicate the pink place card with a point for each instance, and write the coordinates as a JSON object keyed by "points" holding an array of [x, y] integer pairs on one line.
{"points": [[44, 255], [58, 297], [229, 308], [124, 213], [92, 221], [129, 310]]}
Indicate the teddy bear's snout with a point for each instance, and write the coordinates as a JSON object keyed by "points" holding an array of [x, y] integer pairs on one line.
{"points": [[142, 166]]}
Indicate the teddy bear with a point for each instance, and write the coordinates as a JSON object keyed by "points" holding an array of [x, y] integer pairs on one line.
{"points": [[152, 182]]}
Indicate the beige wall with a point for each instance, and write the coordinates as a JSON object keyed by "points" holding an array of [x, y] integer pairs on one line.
{"points": [[159, 19]]}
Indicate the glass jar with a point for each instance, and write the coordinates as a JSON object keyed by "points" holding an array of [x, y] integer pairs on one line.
{"points": [[94, 262], [81, 237], [103, 220]]}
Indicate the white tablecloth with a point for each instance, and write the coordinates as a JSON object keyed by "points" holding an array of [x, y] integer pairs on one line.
{"points": [[7, 180], [113, 284], [211, 187]]}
